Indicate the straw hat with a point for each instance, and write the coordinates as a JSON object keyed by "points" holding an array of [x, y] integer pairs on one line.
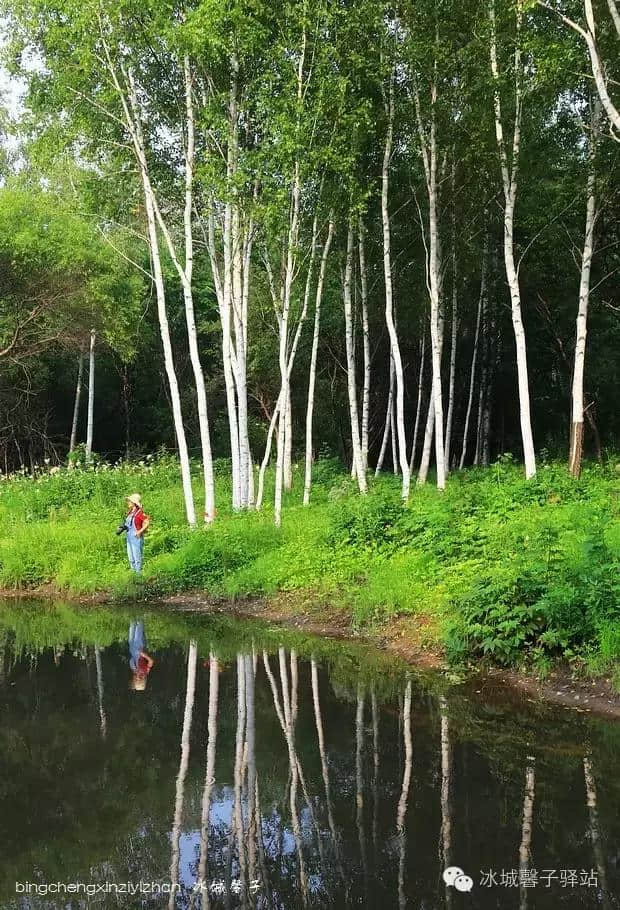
{"points": [[135, 500]]}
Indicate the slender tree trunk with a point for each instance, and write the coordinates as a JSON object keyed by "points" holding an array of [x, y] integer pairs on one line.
{"points": [[418, 410], [483, 378], [428, 145], [394, 441], [446, 812], [240, 331], [91, 396], [454, 328], [261, 474], [134, 126], [76, 403], [283, 347], [238, 775], [313, 359], [366, 340], [103, 721], [250, 713], [375, 771], [359, 785], [509, 180], [227, 315], [595, 830], [431, 423], [576, 436], [474, 357], [389, 304], [286, 715], [485, 430], [209, 778], [404, 795], [182, 773], [288, 443], [427, 443], [525, 857], [358, 461], [185, 273], [388, 415], [318, 720], [289, 260]]}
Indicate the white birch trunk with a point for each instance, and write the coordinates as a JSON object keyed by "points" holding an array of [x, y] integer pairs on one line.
{"points": [[318, 720], [209, 775], [351, 383], [90, 418], [228, 295], [289, 269], [389, 303], [366, 344], [428, 146], [525, 857], [394, 441], [576, 437], [404, 795], [359, 786], [596, 839], [103, 721], [76, 403], [283, 347], [134, 127], [454, 332], [182, 772], [261, 474], [240, 331], [185, 273], [288, 443], [509, 181], [427, 444], [238, 773], [313, 359], [431, 422]]}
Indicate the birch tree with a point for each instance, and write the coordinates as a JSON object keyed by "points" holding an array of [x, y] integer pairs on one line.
{"points": [[576, 436], [389, 301], [182, 772], [599, 69], [185, 272], [358, 460], [509, 167], [76, 403], [313, 361], [361, 246], [90, 415], [427, 135]]}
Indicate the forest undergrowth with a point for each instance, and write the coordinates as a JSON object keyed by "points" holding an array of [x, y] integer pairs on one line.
{"points": [[508, 570]]}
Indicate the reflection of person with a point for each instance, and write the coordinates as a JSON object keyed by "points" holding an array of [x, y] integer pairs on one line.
{"points": [[140, 662], [136, 523]]}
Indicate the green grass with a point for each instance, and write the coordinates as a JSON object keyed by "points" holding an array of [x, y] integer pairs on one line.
{"points": [[506, 568]]}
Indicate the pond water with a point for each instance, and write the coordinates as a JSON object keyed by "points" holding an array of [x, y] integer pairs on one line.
{"points": [[251, 767]]}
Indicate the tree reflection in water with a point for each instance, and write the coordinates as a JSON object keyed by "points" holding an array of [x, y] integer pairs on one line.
{"points": [[291, 783]]}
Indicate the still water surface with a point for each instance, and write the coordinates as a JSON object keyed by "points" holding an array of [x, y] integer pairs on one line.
{"points": [[284, 772]]}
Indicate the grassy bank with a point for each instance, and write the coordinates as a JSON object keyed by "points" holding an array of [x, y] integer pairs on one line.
{"points": [[495, 566]]}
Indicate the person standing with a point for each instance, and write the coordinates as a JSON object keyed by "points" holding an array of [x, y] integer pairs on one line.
{"points": [[136, 523]]}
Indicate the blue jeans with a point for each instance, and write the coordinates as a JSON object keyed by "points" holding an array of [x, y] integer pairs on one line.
{"points": [[135, 546], [137, 642]]}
